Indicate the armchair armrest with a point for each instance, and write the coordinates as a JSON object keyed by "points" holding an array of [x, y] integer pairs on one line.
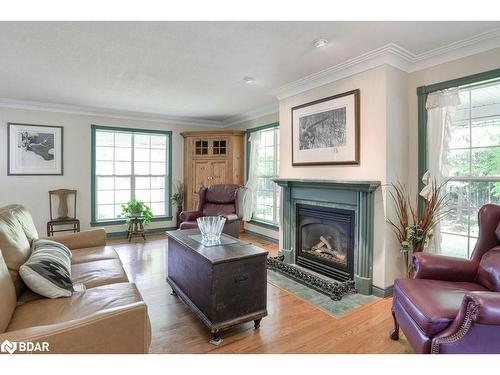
{"points": [[124, 329], [463, 336], [438, 267], [190, 215], [231, 218], [81, 240]]}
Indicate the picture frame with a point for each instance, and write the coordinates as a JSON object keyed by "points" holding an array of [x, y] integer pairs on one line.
{"points": [[34, 150], [327, 131]]}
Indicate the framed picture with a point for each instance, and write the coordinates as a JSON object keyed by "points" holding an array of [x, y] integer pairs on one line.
{"points": [[34, 150], [326, 131]]}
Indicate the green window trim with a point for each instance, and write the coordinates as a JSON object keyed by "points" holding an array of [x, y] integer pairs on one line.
{"points": [[422, 93], [273, 125], [94, 222]]}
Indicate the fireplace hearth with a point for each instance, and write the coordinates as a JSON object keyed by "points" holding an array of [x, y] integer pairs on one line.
{"points": [[325, 240]]}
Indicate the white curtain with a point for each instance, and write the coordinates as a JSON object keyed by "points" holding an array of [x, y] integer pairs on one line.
{"points": [[441, 108], [251, 184]]}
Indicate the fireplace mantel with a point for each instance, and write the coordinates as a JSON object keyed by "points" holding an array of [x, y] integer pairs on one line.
{"points": [[354, 195]]}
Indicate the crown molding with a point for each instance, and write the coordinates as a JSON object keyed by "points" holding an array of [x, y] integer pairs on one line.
{"points": [[394, 55], [103, 112], [265, 110]]}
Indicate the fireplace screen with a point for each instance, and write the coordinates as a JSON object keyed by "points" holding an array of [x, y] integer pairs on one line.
{"points": [[325, 240]]}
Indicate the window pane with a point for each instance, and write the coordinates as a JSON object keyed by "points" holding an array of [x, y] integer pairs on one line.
{"points": [[158, 208], [486, 162], [143, 195], [123, 168], [459, 162], [457, 219], [460, 134], [104, 138], [141, 168], [158, 141], [158, 168], [157, 195], [122, 196], [453, 245], [158, 155], [105, 183], [142, 182], [105, 212], [141, 154], [141, 140], [104, 167], [123, 154], [486, 133], [105, 197], [123, 139], [157, 182], [122, 183], [104, 153]]}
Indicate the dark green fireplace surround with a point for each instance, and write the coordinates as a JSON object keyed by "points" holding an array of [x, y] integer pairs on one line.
{"points": [[357, 196]]}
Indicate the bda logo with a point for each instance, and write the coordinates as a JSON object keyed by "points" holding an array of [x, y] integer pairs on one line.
{"points": [[8, 347]]}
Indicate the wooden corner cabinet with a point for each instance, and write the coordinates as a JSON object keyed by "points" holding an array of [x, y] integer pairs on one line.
{"points": [[211, 157]]}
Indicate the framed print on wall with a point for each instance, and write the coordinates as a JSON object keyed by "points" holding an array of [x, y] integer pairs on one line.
{"points": [[34, 150], [326, 131]]}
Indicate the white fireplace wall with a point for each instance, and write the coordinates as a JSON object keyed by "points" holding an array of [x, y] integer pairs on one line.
{"points": [[384, 149]]}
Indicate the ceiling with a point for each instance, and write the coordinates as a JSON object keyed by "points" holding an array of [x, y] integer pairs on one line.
{"points": [[191, 69]]}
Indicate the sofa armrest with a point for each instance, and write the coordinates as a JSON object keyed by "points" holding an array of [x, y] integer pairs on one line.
{"points": [[467, 334], [190, 215], [438, 267], [124, 329], [81, 240]]}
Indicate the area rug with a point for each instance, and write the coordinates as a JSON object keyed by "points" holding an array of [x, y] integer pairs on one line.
{"points": [[337, 298]]}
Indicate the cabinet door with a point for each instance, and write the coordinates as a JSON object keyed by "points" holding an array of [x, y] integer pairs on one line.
{"points": [[202, 172], [219, 147], [219, 172]]}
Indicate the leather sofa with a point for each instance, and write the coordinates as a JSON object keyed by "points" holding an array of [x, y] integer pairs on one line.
{"points": [[452, 305], [110, 316], [221, 199]]}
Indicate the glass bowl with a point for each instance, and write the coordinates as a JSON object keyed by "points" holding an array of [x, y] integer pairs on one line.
{"points": [[211, 228]]}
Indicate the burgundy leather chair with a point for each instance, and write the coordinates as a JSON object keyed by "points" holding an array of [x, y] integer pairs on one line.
{"points": [[453, 305], [223, 199]]}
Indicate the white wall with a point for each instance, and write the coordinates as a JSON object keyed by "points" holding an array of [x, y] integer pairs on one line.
{"points": [[383, 117], [32, 191], [254, 123]]}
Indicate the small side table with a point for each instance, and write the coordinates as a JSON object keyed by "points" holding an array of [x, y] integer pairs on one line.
{"points": [[136, 228]]}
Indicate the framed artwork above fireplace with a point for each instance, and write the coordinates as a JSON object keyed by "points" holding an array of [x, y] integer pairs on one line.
{"points": [[326, 131]]}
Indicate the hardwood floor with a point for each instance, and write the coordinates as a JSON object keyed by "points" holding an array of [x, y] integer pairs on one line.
{"points": [[292, 326]]}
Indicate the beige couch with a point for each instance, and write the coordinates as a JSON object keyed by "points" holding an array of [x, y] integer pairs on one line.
{"points": [[109, 317]]}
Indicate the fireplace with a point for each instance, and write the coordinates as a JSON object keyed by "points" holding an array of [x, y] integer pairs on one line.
{"points": [[325, 240]]}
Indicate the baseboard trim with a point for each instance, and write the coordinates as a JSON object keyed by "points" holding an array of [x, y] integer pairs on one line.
{"points": [[262, 236], [123, 234], [381, 292]]}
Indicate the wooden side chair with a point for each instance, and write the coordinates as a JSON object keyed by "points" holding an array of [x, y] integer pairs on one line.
{"points": [[71, 223]]}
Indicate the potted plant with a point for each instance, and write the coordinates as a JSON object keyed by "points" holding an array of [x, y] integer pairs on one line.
{"points": [[178, 200], [413, 231], [136, 208]]}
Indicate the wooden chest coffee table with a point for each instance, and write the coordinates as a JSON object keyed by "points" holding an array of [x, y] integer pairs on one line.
{"points": [[223, 285]]}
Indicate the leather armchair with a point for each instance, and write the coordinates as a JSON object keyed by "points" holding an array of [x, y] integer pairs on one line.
{"points": [[222, 199], [452, 305]]}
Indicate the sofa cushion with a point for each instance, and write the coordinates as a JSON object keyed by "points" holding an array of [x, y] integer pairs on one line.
{"points": [[93, 254], [14, 243], [488, 272], [102, 272], [221, 193], [48, 270], [7, 295], [79, 305], [432, 304], [24, 217]]}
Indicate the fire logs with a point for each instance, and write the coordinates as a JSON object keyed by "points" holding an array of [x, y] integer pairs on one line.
{"points": [[325, 247]]}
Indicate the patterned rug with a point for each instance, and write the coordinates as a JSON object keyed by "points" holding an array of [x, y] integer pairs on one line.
{"points": [[337, 298]]}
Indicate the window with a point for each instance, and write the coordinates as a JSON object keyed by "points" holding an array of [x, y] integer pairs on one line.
{"points": [[267, 193], [127, 164], [474, 161]]}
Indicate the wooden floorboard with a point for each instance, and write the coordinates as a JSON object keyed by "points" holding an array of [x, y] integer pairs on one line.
{"points": [[292, 326]]}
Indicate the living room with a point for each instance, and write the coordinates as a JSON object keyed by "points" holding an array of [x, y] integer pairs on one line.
{"points": [[234, 186]]}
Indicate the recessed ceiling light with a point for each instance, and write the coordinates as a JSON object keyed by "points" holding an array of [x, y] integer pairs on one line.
{"points": [[249, 79], [318, 43]]}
